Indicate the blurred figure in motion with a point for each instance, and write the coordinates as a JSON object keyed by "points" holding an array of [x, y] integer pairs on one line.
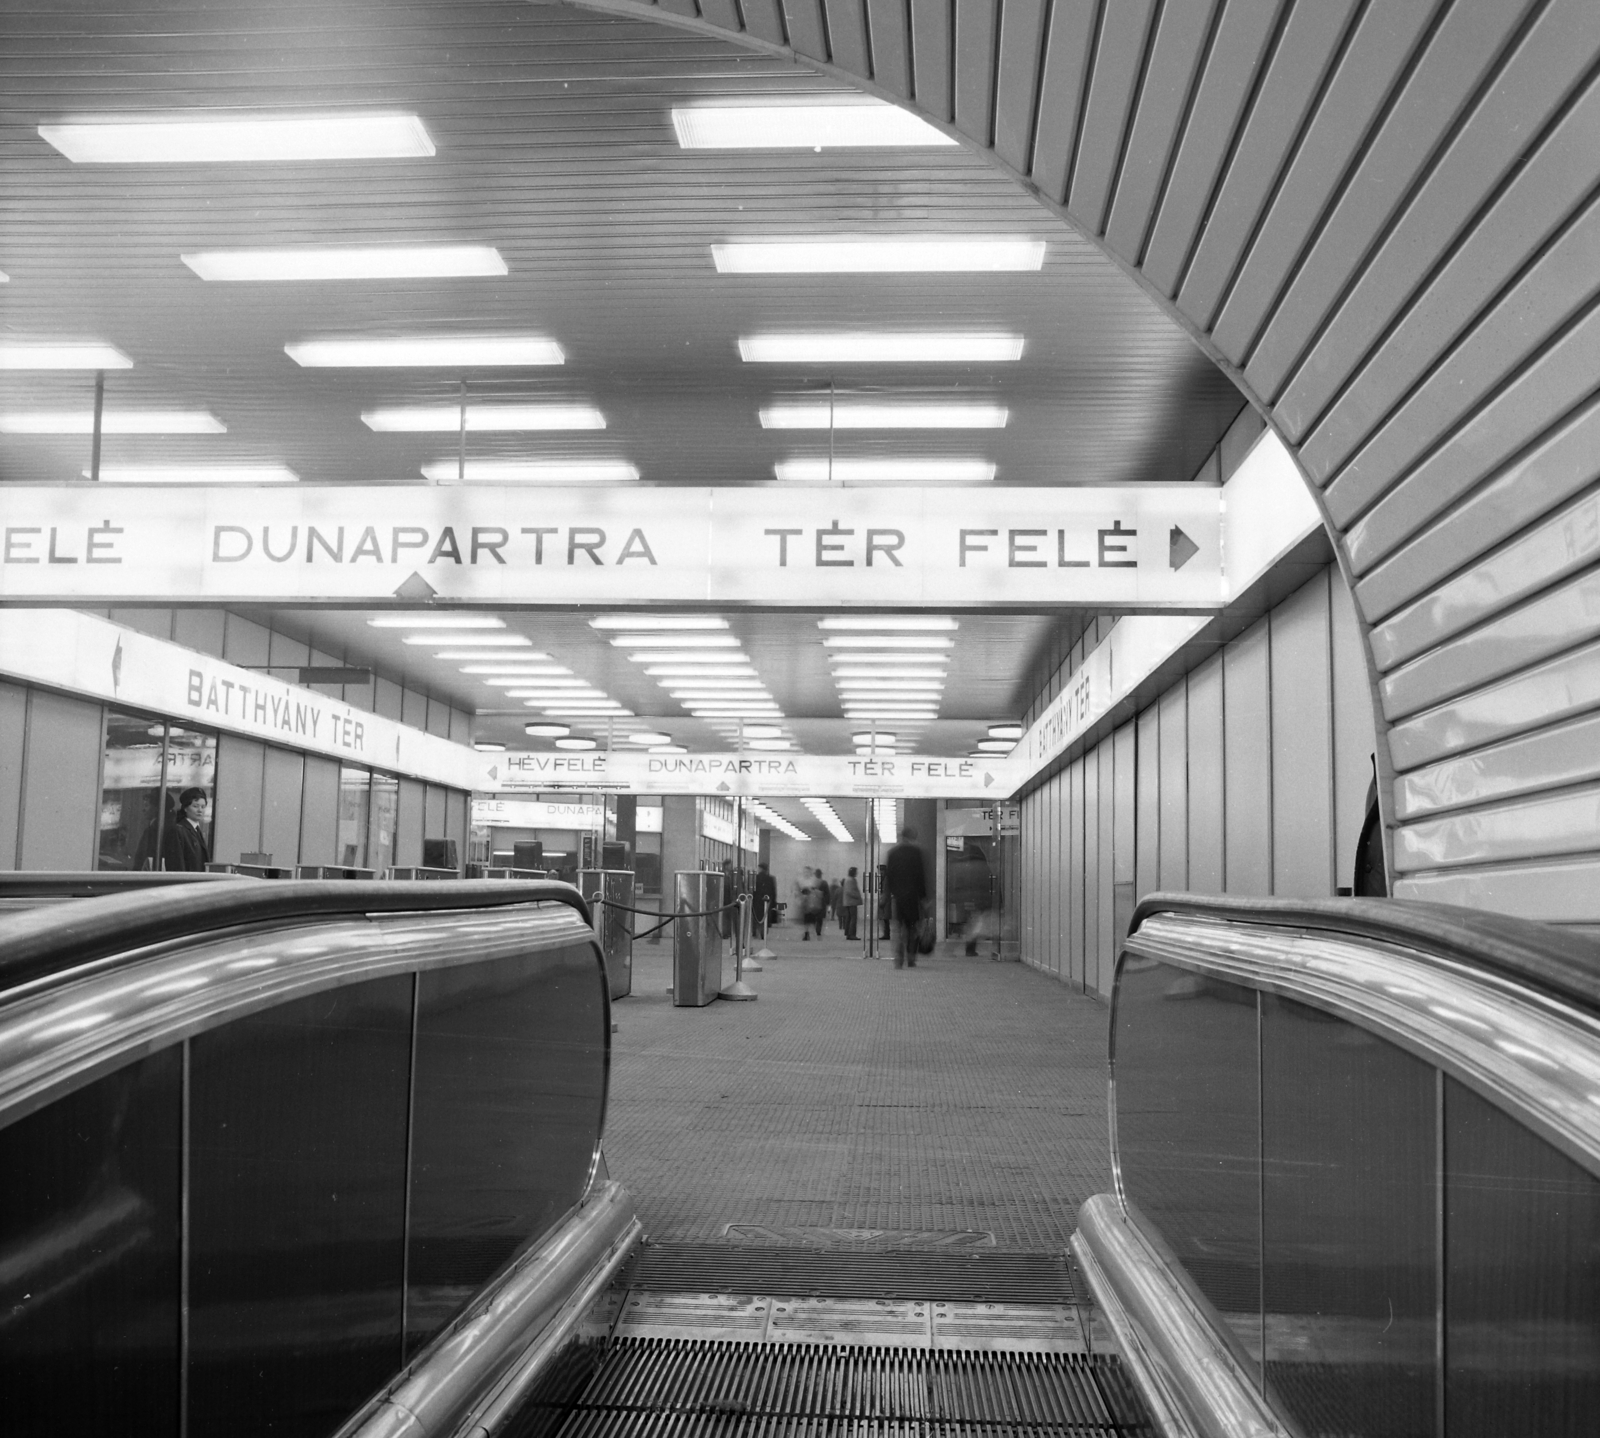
{"points": [[907, 892]]}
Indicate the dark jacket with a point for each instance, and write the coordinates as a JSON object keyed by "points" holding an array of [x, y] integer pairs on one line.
{"points": [[183, 848], [902, 875], [766, 892]]}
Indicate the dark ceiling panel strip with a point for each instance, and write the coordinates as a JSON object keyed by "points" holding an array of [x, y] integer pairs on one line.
{"points": [[931, 56], [1021, 52], [764, 20], [1545, 301], [1063, 92], [977, 46], [1386, 38], [1176, 60], [1284, 105], [1243, 38], [890, 45], [808, 30], [686, 8], [1492, 146], [1459, 63], [847, 35], [724, 14], [1118, 64]]}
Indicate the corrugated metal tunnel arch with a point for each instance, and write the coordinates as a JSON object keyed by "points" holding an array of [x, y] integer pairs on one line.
{"points": [[1382, 222]]}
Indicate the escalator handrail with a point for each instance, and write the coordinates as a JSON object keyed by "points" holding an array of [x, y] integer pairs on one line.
{"points": [[1562, 965], [56, 941]]}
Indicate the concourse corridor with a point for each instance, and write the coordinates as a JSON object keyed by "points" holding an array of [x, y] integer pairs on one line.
{"points": [[961, 1096]]}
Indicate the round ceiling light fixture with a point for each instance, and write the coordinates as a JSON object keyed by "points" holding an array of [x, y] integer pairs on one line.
{"points": [[575, 744], [488, 746], [762, 731], [1005, 731], [547, 731], [996, 746], [649, 737], [768, 744], [869, 736], [668, 749]]}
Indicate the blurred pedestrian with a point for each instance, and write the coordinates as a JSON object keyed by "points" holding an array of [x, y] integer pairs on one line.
{"points": [[766, 897], [849, 904], [908, 890]]}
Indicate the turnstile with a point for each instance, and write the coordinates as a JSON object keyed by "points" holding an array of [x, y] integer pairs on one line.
{"points": [[612, 922], [696, 941]]}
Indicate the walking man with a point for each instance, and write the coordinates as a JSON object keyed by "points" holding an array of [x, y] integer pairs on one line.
{"points": [[907, 889]]}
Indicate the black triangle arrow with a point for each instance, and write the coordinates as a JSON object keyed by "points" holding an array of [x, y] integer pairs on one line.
{"points": [[1180, 548]]}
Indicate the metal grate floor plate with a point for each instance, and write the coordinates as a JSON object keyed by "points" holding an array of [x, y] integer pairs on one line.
{"points": [[681, 1388], [975, 1276]]}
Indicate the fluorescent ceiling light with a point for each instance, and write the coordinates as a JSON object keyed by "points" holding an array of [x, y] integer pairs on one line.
{"points": [[475, 641], [864, 124], [881, 347], [61, 354], [533, 683], [517, 681], [535, 471], [426, 352], [716, 685], [560, 696], [1005, 731], [677, 641], [575, 744], [891, 691], [700, 671], [547, 731], [112, 421], [580, 711], [663, 622], [995, 746], [488, 746], [242, 139], [820, 469], [897, 641], [691, 656], [887, 671], [928, 623], [647, 737], [367, 262], [482, 418], [518, 664], [196, 474], [907, 255], [857, 414], [436, 621]]}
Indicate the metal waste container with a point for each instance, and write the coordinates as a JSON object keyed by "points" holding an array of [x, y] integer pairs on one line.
{"points": [[697, 942], [613, 926]]}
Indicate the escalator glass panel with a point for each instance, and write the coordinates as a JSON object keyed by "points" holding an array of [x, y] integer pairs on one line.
{"points": [[1522, 1289], [1189, 1129], [297, 1206], [505, 1125], [89, 1258], [1349, 1226]]}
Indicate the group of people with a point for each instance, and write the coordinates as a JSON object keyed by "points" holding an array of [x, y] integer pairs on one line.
{"points": [[817, 898], [905, 893]]}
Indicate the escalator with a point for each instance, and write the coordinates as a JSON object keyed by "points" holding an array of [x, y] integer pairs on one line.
{"points": [[319, 1158]]}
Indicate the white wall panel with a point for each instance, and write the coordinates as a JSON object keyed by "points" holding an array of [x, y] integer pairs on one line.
{"points": [[1302, 744], [1147, 820], [1089, 930], [60, 783], [237, 801], [283, 775], [1075, 875], [1207, 840], [1106, 940], [1247, 762], [13, 732], [1174, 785]]}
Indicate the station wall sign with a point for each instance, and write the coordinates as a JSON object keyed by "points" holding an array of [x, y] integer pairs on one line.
{"points": [[82, 654], [537, 814], [758, 776], [1149, 547]]}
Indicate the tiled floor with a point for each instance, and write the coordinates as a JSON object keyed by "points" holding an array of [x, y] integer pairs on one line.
{"points": [[959, 1096]]}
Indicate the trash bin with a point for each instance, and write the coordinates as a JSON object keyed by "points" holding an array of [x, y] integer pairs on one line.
{"points": [[613, 926], [697, 942]]}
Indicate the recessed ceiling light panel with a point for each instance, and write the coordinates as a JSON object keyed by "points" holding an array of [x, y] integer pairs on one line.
{"points": [[61, 354], [823, 469], [112, 421], [664, 622], [374, 262], [864, 124], [241, 139], [482, 418], [436, 621], [904, 255], [534, 471], [882, 347], [860, 414], [196, 474], [927, 623], [426, 352]]}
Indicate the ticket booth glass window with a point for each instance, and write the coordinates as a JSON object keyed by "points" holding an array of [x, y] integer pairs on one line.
{"points": [[148, 765], [355, 799], [384, 817]]}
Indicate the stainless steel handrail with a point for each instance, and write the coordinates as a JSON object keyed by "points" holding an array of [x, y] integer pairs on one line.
{"points": [[1530, 1053], [64, 1032]]}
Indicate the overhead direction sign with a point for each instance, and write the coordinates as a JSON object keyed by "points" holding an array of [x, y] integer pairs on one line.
{"points": [[1129, 547]]}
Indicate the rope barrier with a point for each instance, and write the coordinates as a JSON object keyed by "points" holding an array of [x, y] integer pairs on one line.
{"points": [[651, 913]]}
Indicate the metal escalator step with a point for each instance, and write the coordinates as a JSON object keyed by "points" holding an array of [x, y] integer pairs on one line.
{"points": [[690, 1388], [970, 1276]]}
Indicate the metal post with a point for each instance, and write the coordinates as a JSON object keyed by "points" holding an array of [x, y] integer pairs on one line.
{"points": [[461, 441], [739, 991], [99, 416]]}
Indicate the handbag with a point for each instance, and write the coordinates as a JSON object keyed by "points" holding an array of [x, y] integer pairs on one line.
{"points": [[925, 935]]}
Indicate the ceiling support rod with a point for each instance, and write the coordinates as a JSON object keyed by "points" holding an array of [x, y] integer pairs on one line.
{"points": [[99, 417], [461, 438]]}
